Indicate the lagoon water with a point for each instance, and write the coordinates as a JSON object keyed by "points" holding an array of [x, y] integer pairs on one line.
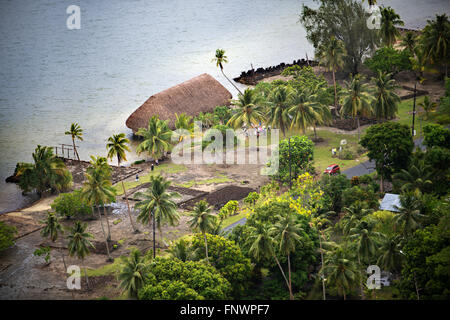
{"points": [[124, 52]]}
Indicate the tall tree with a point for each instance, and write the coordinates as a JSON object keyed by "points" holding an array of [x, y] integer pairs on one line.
{"points": [[435, 41], [287, 234], [133, 274], [220, 58], [157, 205], [47, 172], [417, 177], [391, 257], [427, 105], [409, 41], [248, 110], [356, 99], [52, 229], [79, 244], [303, 111], [389, 22], [346, 20], [117, 146], [203, 220], [390, 144], [76, 133], [331, 55], [408, 217], [385, 101], [279, 104], [156, 137]]}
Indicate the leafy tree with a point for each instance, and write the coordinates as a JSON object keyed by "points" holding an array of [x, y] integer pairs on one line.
{"points": [[438, 159], [47, 172], [227, 258], [7, 234], [229, 209], [409, 41], [220, 58], [425, 274], [158, 205], [346, 21], [389, 60], [390, 144], [436, 135], [389, 22], [356, 99], [117, 146], [332, 187], [385, 99], [79, 244], [156, 137], [203, 221], [361, 194], [301, 153], [133, 274], [251, 198], [76, 133], [204, 281], [223, 113], [332, 55]]}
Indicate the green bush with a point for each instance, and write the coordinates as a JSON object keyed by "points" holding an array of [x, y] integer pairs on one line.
{"points": [[355, 181], [183, 280], [229, 209], [71, 205], [436, 135], [7, 234], [333, 187], [361, 194], [251, 198]]}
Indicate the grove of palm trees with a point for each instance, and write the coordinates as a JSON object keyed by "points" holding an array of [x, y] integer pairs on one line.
{"points": [[171, 232]]}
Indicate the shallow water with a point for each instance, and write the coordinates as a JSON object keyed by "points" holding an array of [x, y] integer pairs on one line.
{"points": [[124, 52]]}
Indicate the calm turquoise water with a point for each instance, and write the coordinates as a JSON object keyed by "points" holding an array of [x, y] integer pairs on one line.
{"points": [[124, 52]]}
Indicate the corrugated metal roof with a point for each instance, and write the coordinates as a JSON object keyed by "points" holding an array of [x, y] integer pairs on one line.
{"points": [[390, 201]]}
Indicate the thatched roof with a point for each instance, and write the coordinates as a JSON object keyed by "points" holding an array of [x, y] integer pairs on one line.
{"points": [[199, 94]]}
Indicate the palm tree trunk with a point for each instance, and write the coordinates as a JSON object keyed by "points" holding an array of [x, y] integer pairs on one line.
{"points": [[75, 149], [107, 223], [281, 269], [231, 81], [291, 296], [321, 258], [360, 280], [206, 246], [154, 237], [359, 134], [104, 234], [315, 133], [345, 297], [87, 278], [335, 93]]}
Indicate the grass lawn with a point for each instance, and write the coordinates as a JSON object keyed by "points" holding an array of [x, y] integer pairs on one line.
{"points": [[219, 179], [230, 220], [166, 167], [404, 115]]}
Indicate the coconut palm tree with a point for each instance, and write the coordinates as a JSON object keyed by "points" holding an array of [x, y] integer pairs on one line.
{"points": [[417, 177], [408, 217], [262, 246], [356, 99], [389, 22], [435, 40], [52, 229], [287, 234], [427, 105], [203, 220], [280, 102], [341, 271], [76, 133], [409, 41], [366, 244], [79, 244], [353, 215], [220, 58], [332, 57], [391, 257], [47, 172], [183, 122], [385, 99], [303, 111], [157, 205], [182, 251], [96, 191], [248, 110], [134, 273], [156, 137], [117, 146]]}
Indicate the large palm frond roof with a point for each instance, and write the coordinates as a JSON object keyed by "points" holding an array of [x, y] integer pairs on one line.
{"points": [[199, 94]]}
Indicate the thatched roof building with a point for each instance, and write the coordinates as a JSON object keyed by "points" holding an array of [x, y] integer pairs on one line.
{"points": [[199, 94]]}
